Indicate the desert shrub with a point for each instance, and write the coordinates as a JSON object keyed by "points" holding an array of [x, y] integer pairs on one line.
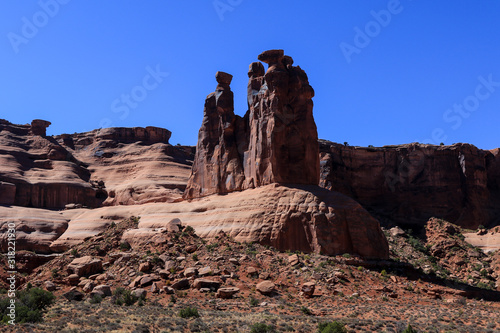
{"points": [[254, 302], [124, 296], [125, 246], [306, 311], [96, 299], [262, 328], [417, 244], [410, 329], [189, 313], [30, 304], [331, 327], [189, 229]]}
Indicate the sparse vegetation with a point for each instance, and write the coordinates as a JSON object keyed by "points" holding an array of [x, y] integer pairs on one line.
{"points": [[410, 329], [189, 313], [124, 296], [29, 306], [332, 327], [262, 328]]}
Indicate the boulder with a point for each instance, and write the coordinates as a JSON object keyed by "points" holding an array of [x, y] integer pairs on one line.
{"points": [[308, 288], [73, 279], [181, 284], [226, 293], [205, 283], [85, 266], [190, 271], [293, 259], [205, 271], [104, 288], [49, 285], [139, 293], [73, 295], [265, 287]]}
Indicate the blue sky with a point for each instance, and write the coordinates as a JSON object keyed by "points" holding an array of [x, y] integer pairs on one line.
{"points": [[384, 72]]}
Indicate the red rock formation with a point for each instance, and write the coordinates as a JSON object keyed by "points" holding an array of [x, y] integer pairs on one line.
{"points": [[283, 139], [409, 184], [39, 171], [7, 193], [39, 127], [217, 166], [136, 165], [276, 141]]}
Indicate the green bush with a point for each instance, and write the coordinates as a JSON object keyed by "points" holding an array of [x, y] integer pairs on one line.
{"points": [[125, 246], [410, 329], [96, 299], [189, 313], [30, 304], [254, 302], [124, 296], [262, 328], [306, 311], [332, 327]]}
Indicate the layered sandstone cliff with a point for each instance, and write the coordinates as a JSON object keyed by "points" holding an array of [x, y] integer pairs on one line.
{"points": [[36, 171], [136, 165], [408, 184]]}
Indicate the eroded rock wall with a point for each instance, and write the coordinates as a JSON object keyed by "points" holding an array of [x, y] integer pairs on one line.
{"points": [[408, 184]]}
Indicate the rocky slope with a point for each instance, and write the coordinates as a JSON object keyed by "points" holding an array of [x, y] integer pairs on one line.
{"points": [[234, 285]]}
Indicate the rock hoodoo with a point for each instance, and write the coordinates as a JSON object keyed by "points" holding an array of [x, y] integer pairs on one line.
{"points": [[217, 166], [276, 141], [39, 127]]}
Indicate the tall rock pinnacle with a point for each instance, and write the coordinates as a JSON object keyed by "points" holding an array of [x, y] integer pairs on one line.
{"points": [[276, 141]]}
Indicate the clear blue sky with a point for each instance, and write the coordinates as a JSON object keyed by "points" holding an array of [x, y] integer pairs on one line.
{"points": [[399, 86]]}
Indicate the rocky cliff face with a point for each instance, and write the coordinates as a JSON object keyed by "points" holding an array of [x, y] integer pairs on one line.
{"points": [[113, 166], [135, 165], [276, 141], [36, 171], [408, 184]]}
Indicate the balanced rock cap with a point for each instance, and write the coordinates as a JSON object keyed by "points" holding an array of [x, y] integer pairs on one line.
{"points": [[223, 78], [256, 69], [271, 56]]}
